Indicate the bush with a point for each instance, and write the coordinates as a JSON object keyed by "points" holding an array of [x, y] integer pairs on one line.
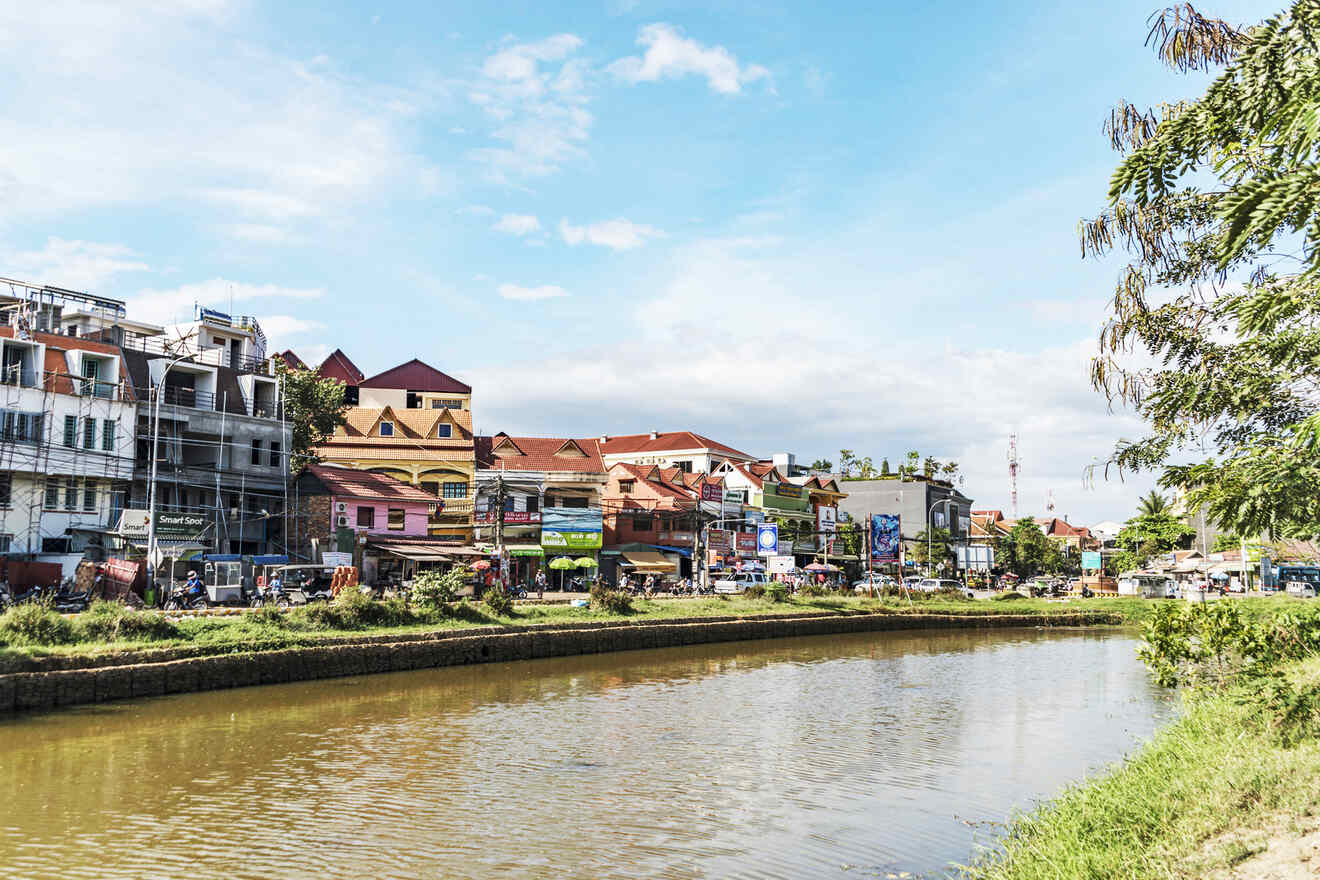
{"points": [[498, 601], [776, 592], [34, 624], [1007, 597], [433, 589], [466, 610], [755, 591], [269, 615], [611, 601], [813, 591], [113, 622]]}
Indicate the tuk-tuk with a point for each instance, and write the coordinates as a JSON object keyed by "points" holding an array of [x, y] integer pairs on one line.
{"points": [[267, 569], [313, 581], [223, 577]]}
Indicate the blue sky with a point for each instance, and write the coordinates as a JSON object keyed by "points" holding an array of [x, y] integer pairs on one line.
{"points": [[789, 226]]}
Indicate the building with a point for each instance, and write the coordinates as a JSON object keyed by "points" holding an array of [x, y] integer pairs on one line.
{"points": [[413, 423], [689, 452], [542, 481], [651, 519], [920, 502], [67, 413]]}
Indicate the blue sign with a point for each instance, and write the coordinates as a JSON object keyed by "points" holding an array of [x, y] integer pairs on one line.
{"points": [[767, 539], [886, 538], [1091, 560]]}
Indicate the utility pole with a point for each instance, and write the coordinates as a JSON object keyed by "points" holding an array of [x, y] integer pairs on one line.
{"points": [[499, 527]]}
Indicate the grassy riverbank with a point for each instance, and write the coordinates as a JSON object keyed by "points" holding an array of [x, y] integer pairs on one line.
{"points": [[112, 630], [1229, 790]]}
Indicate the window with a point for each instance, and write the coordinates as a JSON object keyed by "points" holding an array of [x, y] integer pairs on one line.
{"points": [[451, 404], [108, 435], [387, 429], [5, 542], [685, 467], [71, 330], [366, 518], [256, 452], [642, 523], [396, 518], [55, 545], [573, 502], [70, 431], [275, 455], [20, 427], [89, 496], [437, 403], [52, 494], [508, 504], [6, 488], [431, 486], [626, 486], [89, 433], [71, 494], [455, 490], [533, 504], [444, 431]]}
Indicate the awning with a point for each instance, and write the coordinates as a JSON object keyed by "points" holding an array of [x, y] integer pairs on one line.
{"points": [[684, 552], [524, 549], [416, 554], [647, 560]]}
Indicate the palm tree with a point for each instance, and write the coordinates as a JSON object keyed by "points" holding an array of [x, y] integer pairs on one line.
{"points": [[1153, 504]]}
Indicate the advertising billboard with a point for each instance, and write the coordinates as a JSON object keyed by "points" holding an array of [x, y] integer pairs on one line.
{"points": [[779, 564], [1091, 560], [886, 537], [767, 539], [711, 492], [571, 528], [827, 519], [746, 542]]}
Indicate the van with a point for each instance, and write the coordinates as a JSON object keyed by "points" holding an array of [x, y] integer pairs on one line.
{"points": [[1300, 589]]}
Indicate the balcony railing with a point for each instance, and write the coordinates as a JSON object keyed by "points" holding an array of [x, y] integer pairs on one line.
{"points": [[215, 357]]}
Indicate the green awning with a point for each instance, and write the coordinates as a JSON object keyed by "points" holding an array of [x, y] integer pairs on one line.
{"points": [[525, 550]]}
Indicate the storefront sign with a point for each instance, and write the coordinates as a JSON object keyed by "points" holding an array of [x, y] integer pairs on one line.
{"points": [[710, 491], [511, 517], [169, 525], [886, 537], [746, 542], [784, 490], [571, 528], [675, 539], [331, 558], [734, 495], [718, 539], [754, 517], [827, 519]]}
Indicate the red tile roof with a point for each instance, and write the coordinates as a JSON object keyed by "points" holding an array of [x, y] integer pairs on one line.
{"points": [[350, 483], [416, 376], [292, 361], [539, 454], [56, 375], [338, 366], [665, 441]]}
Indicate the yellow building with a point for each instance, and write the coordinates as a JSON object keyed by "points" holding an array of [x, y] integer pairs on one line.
{"points": [[414, 423]]}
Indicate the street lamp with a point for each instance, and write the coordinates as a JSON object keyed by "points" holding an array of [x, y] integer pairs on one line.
{"points": [[929, 511], [151, 481]]}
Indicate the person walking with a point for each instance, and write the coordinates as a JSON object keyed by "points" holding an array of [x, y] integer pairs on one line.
{"points": [[540, 584]]}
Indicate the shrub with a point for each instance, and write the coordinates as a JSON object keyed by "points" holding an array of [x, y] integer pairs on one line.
{"points": [[755, 591], [813, 591], [498, 601], [611, 601], [1007, 597], [113, 621], [34, 624], [466, 610], [433, 589], [776, 592], [269, 615]]}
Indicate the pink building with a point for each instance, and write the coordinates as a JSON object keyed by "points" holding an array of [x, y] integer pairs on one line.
{"points": [[372, 504]]}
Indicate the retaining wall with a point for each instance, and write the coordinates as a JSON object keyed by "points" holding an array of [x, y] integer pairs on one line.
{"points": [[100, 680]]}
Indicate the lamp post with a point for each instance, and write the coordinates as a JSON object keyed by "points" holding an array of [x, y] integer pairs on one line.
{"points": [[151, 480], [705, 541], [929, 511]]}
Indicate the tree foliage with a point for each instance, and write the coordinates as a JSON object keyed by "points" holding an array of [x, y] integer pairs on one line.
{"points": [[941, 549], [314, 408], [1215, 204], [1024, 549]]}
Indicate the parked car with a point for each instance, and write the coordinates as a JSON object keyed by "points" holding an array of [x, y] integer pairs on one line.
{"points": [[1300, 589], [876, 581], [740, 582]]}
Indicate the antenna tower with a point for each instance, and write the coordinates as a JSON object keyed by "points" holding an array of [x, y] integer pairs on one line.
{"points": [[1013, 471]]}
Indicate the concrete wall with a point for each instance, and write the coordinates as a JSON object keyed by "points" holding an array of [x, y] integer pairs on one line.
{"points": [[52, 683], [911, 499]]}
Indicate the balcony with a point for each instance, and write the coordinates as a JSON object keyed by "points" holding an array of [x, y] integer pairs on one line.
{"points": [[213, 357]]}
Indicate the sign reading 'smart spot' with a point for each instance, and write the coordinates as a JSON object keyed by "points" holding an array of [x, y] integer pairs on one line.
{"points": [[169, 525]]}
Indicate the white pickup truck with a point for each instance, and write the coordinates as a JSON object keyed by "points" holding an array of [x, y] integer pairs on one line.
{"points": [[740, 581]]}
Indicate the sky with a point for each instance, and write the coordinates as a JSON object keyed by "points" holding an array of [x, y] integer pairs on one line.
{"points": [[791, 227]]}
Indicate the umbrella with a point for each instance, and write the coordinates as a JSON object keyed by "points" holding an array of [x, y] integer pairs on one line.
{"points": [[562, 563], [584, 562], [480, 565], [821, 566]]}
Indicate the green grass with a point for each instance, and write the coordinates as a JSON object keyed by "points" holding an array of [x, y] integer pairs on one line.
{"points": [[272, 630], [1199, 797]]}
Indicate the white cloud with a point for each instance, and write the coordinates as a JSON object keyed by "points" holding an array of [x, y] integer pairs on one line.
{"points": [[279, 327], [618, 234], [518, 224], [74, 265], [540, 114], [111, 104], [175, 304], [670, 55], [517, 292]]}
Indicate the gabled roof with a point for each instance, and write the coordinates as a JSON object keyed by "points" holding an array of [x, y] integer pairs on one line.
{"points": [[338, 366], [350, 483], [411, 425], [554, 454], [416, 376], [655, 493], [665, 441], [292, 361]]}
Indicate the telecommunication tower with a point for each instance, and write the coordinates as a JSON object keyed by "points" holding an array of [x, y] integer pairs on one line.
{"points": [[1012, 471]]}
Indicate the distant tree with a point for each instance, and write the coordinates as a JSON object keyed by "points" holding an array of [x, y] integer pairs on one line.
{"points": [[846, 462], [949, 469], [1148, 535], [884, 467], [313, 408], [1024, 549], [865, 469], [1153, 504], [822, 464], [910, 465], [941, 548], [850, 539], [930, 467]]}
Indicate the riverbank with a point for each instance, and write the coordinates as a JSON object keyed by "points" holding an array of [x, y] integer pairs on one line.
{"points": [[1229, 790], [51, 676]]}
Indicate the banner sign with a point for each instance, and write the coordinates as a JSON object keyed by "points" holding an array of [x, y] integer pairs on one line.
{"points": [[754, 516], [675, 539], [332, 558], [767, 539], [511, 517], [734, 495], [779, 564], [746, 542], [827, 519], [711, 492], [886, 537], [169, 525], [718, 539], [571, 528], [784, 490], [1091, 560]]}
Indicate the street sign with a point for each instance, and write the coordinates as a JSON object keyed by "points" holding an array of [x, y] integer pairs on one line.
{"points": [[1091, 560], [779, 564], [767, 539]]}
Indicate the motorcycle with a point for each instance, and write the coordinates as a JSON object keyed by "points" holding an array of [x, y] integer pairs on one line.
{"points": [[67, 601], [184, 598]]}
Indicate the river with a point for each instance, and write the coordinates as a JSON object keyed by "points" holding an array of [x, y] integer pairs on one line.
{"points": [[833, 756]]}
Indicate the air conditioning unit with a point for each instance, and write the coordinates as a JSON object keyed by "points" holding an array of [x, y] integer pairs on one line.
{"points": [[341, 522], [341, 507]]}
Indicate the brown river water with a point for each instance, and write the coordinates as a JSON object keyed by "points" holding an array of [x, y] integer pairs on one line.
{"points": [[852, 756]]}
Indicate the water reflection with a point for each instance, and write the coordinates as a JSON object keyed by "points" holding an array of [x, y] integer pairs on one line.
{"points": [[823, 756]]}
